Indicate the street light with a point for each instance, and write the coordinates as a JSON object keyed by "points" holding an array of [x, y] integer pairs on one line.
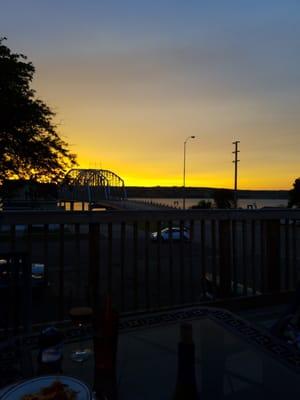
{"points": [[184, 150]]}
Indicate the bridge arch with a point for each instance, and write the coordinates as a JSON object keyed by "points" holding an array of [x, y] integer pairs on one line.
{"points": [[92, 185]]}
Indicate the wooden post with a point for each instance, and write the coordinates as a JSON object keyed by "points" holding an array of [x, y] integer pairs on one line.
{"points": [[122, 265], [61, 284], [110, 259], [135, 267], [272, 275], [94, 245], [27, 293], [225, 258]]}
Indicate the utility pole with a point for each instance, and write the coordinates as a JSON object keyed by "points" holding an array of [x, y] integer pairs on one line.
{"points": [[235, 161]]}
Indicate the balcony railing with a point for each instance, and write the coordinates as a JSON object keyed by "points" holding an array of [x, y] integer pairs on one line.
{"points": [[87, 255]]}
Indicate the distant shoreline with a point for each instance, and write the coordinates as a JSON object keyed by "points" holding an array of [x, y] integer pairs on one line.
{"points": [[196, 192]]}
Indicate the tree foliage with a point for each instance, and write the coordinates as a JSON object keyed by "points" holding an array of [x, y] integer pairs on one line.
{"points": [[224, 198], [294, 194], [30, 147]]}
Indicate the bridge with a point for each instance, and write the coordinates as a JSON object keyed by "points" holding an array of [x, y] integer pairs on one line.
{"points": [[92, 186], [100, 189]]}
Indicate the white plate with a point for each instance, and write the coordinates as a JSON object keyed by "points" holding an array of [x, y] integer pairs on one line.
{"points": [[16, 392]]}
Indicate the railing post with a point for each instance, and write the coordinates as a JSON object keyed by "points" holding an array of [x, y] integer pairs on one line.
{"points": [[27, 293], [93, 288], [272, 274], [61, 285], [225, 258]]}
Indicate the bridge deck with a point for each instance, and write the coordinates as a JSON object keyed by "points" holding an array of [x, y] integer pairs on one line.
{"points": [[128, 205]]}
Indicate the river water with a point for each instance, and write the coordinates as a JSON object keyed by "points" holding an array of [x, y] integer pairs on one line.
{"points": [[177, 203], [243, 203]]}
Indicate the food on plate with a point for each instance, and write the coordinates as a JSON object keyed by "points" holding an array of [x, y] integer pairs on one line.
{"points": [[55, 391]]}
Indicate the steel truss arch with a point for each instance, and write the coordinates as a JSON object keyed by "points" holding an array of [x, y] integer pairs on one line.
{"points": [[94, 184]]}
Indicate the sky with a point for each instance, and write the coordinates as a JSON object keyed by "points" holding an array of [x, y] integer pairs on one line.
{"points": [[130, 80]]}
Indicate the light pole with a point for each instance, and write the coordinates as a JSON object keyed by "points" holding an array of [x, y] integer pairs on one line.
{"points": [[236, 161], [184, 151]]}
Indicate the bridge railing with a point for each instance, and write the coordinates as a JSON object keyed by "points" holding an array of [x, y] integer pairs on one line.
{"points": [[220, 254]]}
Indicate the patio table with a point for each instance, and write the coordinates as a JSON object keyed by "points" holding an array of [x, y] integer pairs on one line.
{"points": [[234, 359]]}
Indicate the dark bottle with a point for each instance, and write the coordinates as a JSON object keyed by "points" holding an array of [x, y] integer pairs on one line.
{"points": [[186, 387], [50, 354], [105, 352]]}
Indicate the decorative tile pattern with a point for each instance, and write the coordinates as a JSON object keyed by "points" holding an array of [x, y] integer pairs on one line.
{"points": [[262, 340]]}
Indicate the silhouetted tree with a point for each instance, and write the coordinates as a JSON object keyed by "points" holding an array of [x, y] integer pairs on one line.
{"points": [[294, 194], [202, 204], [30, 147], [224, 198]]}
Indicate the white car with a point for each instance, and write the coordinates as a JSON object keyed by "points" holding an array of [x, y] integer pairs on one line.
{"points": [[165, 234]]}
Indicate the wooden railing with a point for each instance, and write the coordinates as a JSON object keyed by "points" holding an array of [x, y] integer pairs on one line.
{"points": [[87, 255]]}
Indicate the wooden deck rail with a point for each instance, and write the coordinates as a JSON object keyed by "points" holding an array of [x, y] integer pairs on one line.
{"points": [[90, 254]]}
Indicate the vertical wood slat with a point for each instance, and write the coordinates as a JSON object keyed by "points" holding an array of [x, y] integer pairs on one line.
{"points": [[12, 238], [27, 293], [135, 266], [244, 256], [171, 263], [158, 260], [253, 259], [262, 257], [294, 250], [273, 256], [181, 273], [14, 294], [28, 278], [61, 266], [122, 260], [147, 283], [191, 243], [287, 254], [203, 255], [94, 265], [234, 257], [78, 272], [109, 263], [225, 258], [214, 256], [46, 251], [29, 241]]}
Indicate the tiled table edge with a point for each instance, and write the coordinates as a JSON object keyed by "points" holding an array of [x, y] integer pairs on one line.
{"points": [[254, 335]]}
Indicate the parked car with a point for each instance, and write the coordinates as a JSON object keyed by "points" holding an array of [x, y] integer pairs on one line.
{"points": [[174, 234], [37, 274]]}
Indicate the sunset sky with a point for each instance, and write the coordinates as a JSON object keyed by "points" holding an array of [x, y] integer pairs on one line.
{"points": [[129, 80]]}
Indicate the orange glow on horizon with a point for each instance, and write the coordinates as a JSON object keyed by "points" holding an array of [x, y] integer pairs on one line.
{"points": [[146, 178]]}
